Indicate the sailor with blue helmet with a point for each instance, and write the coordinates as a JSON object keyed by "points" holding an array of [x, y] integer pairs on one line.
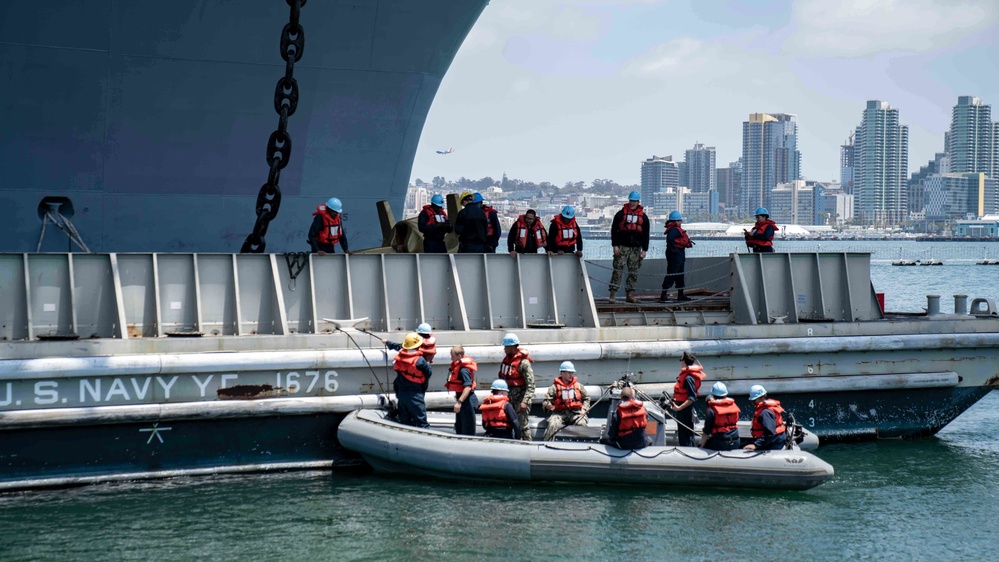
{"points": [[327, 228], [769, 430], [720, 431], [499, 419], [677, 243], [434, 225], [563, 234], [567, 401], [517, 372], [630, 239], [761, 238]]}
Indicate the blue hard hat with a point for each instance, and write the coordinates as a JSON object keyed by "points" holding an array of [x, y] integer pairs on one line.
{"points": [[568, 212], [756, 391], [762, 211], [424, 329], [675, 216], [634, 196], [437, 199], [500, 384], [334, 204], [719, 389], [510, 339], [567, 366], [477, 198]]}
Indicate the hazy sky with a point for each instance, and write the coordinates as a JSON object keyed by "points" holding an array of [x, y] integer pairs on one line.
{"points": [[551, 90]]}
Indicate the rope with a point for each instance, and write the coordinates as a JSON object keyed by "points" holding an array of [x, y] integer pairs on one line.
{"points": [[380, 386], [664, 451], [665, 411]]}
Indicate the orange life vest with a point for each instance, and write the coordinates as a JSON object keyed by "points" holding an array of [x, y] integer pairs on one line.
{"points": [[429, 348], [565, 231], [631, 221], [680, 390], [510, 368], [454, 379], [773, 406], [682, 241], [405, 365], [567, 395], [726, 415], [632, 417], [332, 227], [434, 216], [493, 416], [760, 228], [490, 228], [535, 230]]}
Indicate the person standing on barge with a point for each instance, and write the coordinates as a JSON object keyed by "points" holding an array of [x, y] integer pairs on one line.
{"points": [[630, 239], [564, 236], [434, 226], [327, 228], [677, 243], [761, 239], [527, 235]]}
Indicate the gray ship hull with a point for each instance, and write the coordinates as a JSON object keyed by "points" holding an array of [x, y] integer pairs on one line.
{"points": [[149, 120]]}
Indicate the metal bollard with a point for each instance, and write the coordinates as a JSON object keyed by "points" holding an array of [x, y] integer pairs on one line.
{"points": [[960, 304], [932, 305]]}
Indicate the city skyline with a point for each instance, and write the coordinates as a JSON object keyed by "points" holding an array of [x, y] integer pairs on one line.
{"points": [[563, 91]]}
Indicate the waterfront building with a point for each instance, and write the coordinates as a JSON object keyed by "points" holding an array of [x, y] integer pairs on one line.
{"points": [[700, 169], [837, 205], [793, 203], [847, 162], [971, 142], [698, 206], [770, 156], [916, 199], [985, 227], [959, 196], [881, 146], [729, 181], [658, 175], [667, 200], [416, 198]]}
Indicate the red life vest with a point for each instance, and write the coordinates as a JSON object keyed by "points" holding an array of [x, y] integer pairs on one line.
{"points": [[429, 348], [434, 216], [405, 365], [565, 231], [493, 416], [454, 379], [761, 228], [490, 228], [510, 368], [633, 417], [631, 221], [535, 230], [680, 390], [567, 395], [332, 227], [773, 406], [682, 241], [726, 415]]}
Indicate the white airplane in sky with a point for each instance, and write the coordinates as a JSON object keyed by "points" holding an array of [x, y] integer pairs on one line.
{"points": [[448, 151]]}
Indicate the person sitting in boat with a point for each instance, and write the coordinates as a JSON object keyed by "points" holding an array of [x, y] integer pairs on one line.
{"points": [[461, 381], [429, 346], [627, 423], [516, 370], [688, 383], [327, 228], [761, 238], [721, 432], [769, 431], [567, 400], [499, 419], [412, 376]]}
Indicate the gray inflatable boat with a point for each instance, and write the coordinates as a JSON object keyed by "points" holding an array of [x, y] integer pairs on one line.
{"points": [[392, 447]]}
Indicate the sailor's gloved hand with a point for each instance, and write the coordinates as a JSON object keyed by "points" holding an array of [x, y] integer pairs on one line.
{"points": [[393, 346]]}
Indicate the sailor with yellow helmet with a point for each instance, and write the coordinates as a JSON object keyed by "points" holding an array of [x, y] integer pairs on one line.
{"points": [[411, 381]]}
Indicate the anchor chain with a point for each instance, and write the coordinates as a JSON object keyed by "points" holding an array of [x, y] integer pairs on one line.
{"points": [[279, 143]]}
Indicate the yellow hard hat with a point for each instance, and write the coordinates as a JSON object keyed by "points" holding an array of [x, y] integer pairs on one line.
{"points": [[464, 195], [412, 341]]}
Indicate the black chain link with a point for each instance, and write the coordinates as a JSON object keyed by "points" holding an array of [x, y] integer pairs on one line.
{"points": [[279, 143]]}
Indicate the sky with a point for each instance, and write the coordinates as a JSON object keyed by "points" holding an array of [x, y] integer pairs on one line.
{"points": [[559, 91]]}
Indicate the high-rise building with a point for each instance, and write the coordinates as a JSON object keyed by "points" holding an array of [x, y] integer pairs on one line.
{"points": [[658, 174], [700, 164], [881, 166], [793, 203], [729, 186], [971, 142], [916, 199], [958, 196], [847, 162], [769, 156]]}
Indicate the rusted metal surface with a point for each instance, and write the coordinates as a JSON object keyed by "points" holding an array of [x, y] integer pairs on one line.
{"points": [[250, 392]]}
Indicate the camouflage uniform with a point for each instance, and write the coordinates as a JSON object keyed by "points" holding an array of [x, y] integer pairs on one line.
{"points": [[632, 258], [559, 419], [518, 394]]}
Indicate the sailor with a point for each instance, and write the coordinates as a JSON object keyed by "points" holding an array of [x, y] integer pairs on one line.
{"points": [[564, 235], [688, 383], [567, 401], [493, 228], [519, 376], [630, 239], [327, 228], [527, 235], [627, 423], [433, 224], [499, 419], [471, 225], [677, 243], [721, 430], [761, 238], [429, 346], [461, 381], [769, 430], [412, 376]]}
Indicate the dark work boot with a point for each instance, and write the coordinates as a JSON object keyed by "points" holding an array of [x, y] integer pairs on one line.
{"points": [[681, 297], [664, 297], [630, 296], [613, 296]]}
